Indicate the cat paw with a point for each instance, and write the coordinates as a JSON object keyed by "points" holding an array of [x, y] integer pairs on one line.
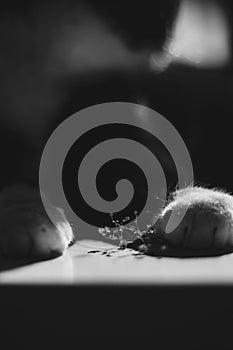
{"points": [[207, 222], [25, 228]]}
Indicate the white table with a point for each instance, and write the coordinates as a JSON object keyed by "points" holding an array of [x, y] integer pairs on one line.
{"points": [[81, 295], [78, 267]]}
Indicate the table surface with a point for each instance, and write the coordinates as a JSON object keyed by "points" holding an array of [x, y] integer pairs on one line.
{"points": [[80, 266]]}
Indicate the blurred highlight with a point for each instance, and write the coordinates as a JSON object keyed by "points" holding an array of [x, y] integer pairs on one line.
{"points": [[200, 36]]}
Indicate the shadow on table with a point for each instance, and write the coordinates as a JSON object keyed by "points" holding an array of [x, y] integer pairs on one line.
{"points": [[12, 263]]}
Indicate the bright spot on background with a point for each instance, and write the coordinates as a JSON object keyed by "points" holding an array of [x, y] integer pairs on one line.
{"points": [[200, 36]]}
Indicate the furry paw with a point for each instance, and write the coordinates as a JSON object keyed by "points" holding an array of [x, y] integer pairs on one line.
{"points": [[25, 228], [207, 224]]}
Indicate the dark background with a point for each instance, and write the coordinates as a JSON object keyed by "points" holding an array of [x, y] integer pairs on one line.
{"points": [[197, 101]]}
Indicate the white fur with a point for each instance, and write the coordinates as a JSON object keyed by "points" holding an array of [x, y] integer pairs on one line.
{"points": [[208, 222]]}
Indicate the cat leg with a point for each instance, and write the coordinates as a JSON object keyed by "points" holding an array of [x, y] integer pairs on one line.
{"points": [[25, 228]]}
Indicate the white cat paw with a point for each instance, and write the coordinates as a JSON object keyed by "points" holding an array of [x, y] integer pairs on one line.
{"points": [[207, 224]]}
